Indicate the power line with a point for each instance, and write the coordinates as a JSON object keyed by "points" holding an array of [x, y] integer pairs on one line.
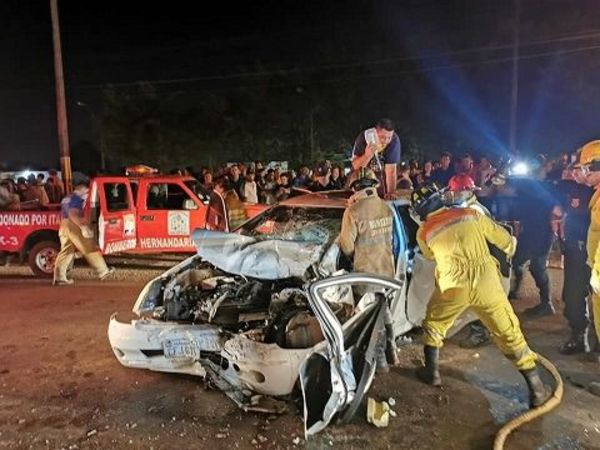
{"points": [[397, 73], [383, 61], [325, 67], [261, 74], [465, 64]]}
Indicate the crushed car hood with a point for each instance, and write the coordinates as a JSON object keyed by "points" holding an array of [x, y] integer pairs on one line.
{"points": [[271, 259]]}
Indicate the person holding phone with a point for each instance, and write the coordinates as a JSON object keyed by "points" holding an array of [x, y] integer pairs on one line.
{"points": [[379, 148]]}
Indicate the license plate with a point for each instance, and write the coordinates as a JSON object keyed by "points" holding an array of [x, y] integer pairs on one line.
{"points": [[180, 348]]}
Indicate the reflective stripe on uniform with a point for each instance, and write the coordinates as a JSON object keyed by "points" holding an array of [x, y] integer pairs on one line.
{"points": [[440, 222]]}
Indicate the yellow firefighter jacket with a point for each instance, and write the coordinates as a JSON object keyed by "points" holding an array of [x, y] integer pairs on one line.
{"points": [[593, 238], [457, 239]]}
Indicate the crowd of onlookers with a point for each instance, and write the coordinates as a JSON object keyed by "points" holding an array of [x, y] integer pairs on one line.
{"points": [[256, 183], [33, 192]]}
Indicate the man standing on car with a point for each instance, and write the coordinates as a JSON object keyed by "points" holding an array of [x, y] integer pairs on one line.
{"points": [[467, 276], [72, 240], [366, 236], [379, 148]]}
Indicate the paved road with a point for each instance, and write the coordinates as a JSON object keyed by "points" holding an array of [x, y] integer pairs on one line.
{"points": [[61, 387]]}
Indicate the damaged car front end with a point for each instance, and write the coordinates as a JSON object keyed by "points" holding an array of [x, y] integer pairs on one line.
{"points": [[238, 313], [273, 312]]}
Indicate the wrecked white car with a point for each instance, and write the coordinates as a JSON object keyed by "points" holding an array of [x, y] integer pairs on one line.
{"points": [[273, 309]]}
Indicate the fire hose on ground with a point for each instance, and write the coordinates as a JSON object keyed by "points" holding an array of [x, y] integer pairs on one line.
{"points": [[534, 413]]}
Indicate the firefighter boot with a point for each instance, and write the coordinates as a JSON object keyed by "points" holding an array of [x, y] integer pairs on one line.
{"points": [[430, 374], [577, 343], [543, 309], [391, 352], [539, 393]]}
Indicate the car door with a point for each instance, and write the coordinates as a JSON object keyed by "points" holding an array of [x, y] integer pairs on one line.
{"points": [[335, 380], [404, 240], [168, 212], [112, 211]]}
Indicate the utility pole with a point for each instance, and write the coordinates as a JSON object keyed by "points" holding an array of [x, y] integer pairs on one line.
{"points": [[61, 110], [514, 103], [312, 134]]}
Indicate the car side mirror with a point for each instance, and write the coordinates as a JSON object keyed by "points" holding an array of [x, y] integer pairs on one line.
{"points": [[189, 205]]}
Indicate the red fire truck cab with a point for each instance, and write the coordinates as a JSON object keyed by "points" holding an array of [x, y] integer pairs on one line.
{"points": [[149, 214]]}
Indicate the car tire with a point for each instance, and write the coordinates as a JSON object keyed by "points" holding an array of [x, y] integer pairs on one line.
{"points": [[41, 258]]}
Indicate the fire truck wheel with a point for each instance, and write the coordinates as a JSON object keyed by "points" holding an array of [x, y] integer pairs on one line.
{"points": [[41, 258]]}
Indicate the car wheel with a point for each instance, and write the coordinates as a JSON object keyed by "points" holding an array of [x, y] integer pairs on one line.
{"points": [[41, 258]]}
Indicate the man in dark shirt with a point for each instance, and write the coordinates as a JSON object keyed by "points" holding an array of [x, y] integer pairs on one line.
{"points": [[559, 167], [535, 202], [237, 181], [577, 272], [441, 176], [379, 148], [322, 181]]}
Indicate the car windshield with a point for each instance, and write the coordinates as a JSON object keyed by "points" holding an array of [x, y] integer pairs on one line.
{"points": [[321, 225]]}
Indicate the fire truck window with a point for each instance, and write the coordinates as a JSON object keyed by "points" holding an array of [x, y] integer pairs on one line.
{"points": [[116, 197], [166, 196]]}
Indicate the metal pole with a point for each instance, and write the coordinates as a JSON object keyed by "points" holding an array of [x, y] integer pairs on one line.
{"points": [[514, 104], [61, 110], [312, 135]]}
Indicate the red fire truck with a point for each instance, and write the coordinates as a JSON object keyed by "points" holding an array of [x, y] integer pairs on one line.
{"points": [[139, 214]]}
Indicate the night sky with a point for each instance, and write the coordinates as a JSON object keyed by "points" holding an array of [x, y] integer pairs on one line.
{"points": [[216, 45]]}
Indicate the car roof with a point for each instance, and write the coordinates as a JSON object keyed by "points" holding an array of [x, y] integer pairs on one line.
{"points": [[327, 199]]}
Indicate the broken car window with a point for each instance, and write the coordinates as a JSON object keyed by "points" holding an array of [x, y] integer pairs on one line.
{"points": [[319, 225]]}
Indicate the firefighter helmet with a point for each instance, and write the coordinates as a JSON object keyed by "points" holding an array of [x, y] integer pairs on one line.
{"points": [[461, 182], [426, 200], [361, 179], [590, 152]]}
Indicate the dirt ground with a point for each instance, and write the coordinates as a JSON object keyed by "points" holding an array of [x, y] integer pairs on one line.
{"points": [[61, 386]]}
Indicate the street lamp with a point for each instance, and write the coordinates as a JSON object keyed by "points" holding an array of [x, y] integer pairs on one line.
{"points": [[97, 131]]}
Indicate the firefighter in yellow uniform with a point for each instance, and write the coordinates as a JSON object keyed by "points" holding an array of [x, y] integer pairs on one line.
{"points": [[467, 276], [589, 159]]}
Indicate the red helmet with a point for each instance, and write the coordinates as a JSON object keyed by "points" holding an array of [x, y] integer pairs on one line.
{"points": [[461, 182]]}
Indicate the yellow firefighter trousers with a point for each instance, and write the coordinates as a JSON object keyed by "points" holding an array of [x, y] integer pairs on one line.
{"points": [[72, 242], [595, 306], [483, 293]]}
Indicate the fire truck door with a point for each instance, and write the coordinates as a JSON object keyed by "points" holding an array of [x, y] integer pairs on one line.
{"points": [[167, 216], [112, 203]]}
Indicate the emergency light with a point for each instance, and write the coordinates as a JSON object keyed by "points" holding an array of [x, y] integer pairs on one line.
{"points": [[139, 170]]}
